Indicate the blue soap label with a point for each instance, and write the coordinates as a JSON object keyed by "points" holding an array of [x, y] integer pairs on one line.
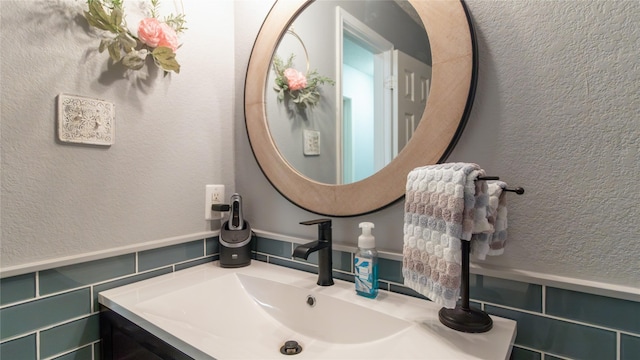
{"points": [[365, 277]]}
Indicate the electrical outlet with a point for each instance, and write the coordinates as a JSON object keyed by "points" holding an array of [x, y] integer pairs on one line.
{"points": [[214, 194]]}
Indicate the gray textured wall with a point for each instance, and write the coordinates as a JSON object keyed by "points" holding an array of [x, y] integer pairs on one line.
{"points": [[173, 135], [556, 112]]}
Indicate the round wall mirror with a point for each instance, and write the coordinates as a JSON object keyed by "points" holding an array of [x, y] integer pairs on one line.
{"points": [[308, 150]]}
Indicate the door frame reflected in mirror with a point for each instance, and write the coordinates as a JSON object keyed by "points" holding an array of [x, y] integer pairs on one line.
{"points": [[353, 165]]}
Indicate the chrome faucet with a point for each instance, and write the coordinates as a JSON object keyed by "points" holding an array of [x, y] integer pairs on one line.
{"points": [[324, 249]]}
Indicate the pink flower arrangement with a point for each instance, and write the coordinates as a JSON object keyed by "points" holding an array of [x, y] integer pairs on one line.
{"points": [[302, 89], [155, 33], [156, 38], [295, 79]]}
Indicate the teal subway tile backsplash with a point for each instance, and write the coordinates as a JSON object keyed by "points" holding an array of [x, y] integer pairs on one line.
{"points": [[390, 270], [259, 257], [73, 276], [342, 260], [594, 309], [61, 322], [629, 347], [80, 354], [560, 337], [69, 336], [212, 245], [274, 247], [155, 258], [551, 357], [345, 277], [17, 288], [506, 292], [192, 263], [294, 264], [30, 316], [23, 348], [524, 354]]}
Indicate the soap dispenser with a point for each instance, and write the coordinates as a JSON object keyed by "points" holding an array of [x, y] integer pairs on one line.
{"points": [[366, 263]]}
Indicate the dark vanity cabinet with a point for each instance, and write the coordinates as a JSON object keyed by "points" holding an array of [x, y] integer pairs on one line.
{"points": [[124, 340]]}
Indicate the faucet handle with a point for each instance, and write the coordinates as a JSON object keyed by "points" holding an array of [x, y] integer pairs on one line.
{"points": [[320, 222], [324, 228]]}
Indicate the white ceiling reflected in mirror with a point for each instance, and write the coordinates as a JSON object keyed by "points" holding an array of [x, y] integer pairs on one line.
{"points": [[378, 54], [348, 153]]}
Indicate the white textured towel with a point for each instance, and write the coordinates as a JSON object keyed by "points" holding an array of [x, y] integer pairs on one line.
{"points": [[492, 242], [443, 205]]}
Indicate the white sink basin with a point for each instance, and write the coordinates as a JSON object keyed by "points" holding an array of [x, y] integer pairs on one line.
{"points": [[265, 304], [326, 318], [210, 312]]}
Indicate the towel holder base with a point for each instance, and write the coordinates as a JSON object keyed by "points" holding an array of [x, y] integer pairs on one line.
{"points": [[466, 320]]}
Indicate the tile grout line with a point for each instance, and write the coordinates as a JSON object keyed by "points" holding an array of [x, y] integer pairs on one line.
{"points": [[524, 347], [19, 336], [91, 293], [351, 266], [628, 333], [544, 356], [188, 261], [37, 284], [38, 344], [83, 286], [618, 345], [19, 302], [67, 321], [67, 352]]}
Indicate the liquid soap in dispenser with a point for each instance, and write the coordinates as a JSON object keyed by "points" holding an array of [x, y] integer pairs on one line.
{"points": [[366, 263]]}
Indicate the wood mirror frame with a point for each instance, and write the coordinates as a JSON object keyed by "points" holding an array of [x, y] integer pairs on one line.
{"points": [[450, 99]]}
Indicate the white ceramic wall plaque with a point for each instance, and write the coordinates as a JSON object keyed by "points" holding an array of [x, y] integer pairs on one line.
{"points": [[85, 120]]}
